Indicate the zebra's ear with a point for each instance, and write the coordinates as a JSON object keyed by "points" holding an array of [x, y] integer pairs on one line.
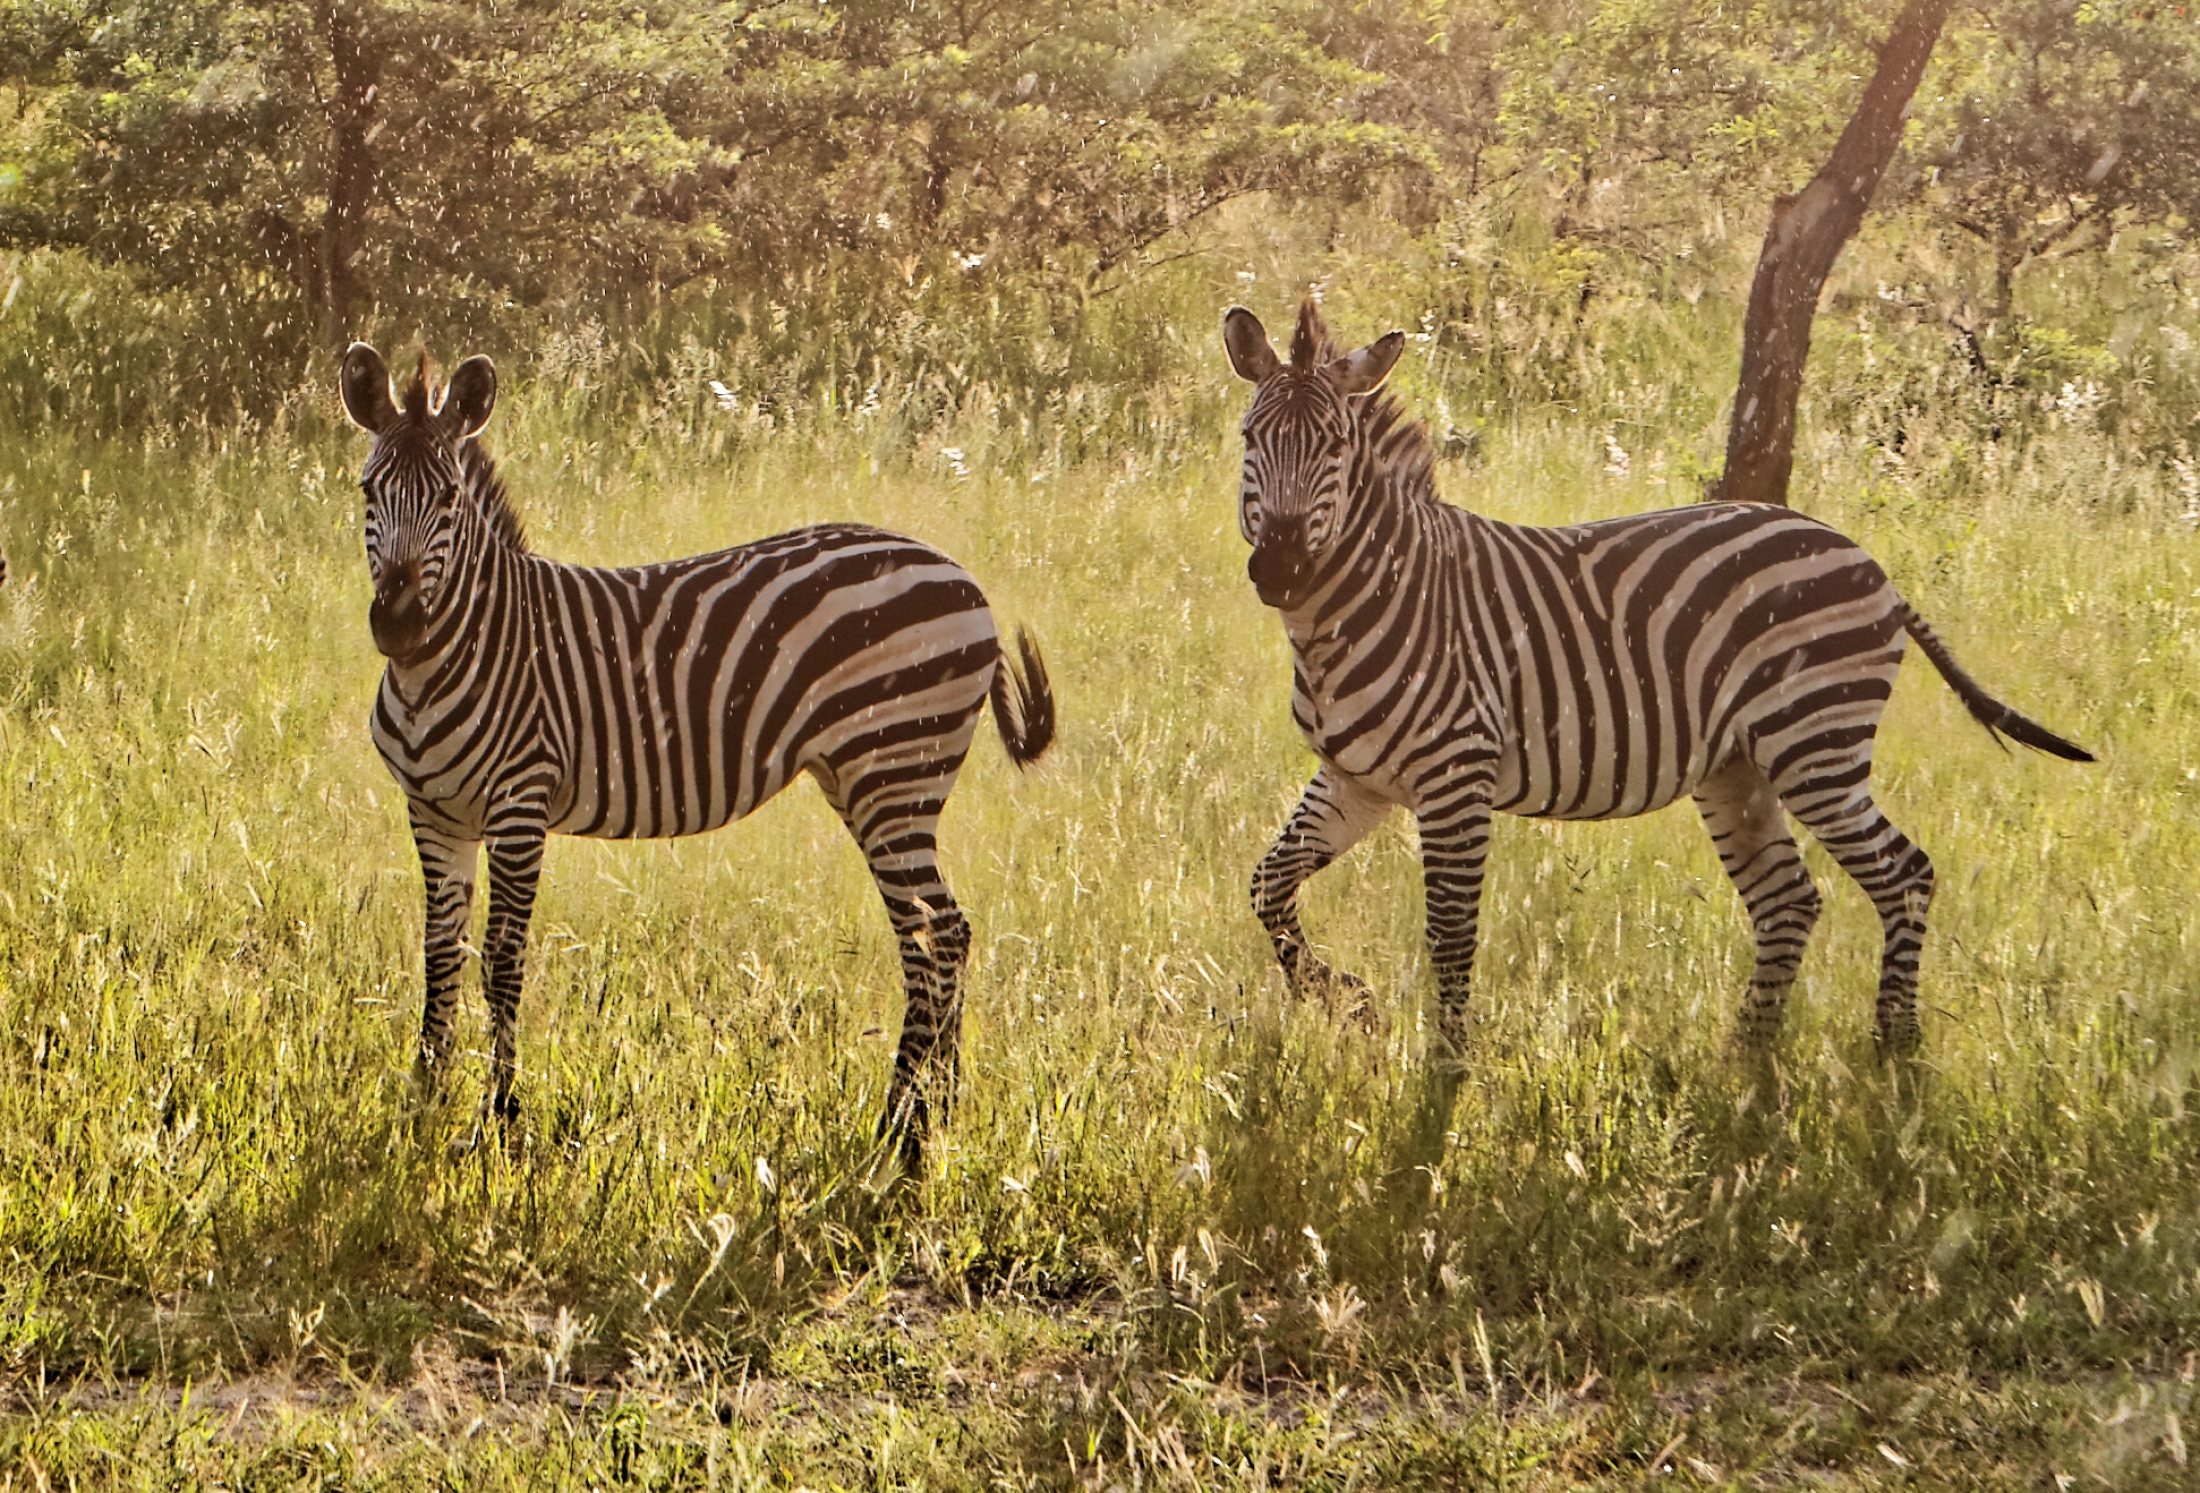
{"points": [[1246, 341], [365, 381], [470, 395], [1363, 372]]}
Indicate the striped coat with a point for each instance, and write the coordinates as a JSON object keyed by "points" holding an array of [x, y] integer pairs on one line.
{"points": [[1739, 654], [525, 697]]}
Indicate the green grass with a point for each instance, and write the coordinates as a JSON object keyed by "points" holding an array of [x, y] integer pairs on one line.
{"points": [[1181, 1230]]}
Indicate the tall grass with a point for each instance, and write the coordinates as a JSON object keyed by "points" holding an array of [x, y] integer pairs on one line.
{"points": [[212, 1164]]}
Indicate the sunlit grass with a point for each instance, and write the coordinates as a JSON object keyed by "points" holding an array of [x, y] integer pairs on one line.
{"points": [[211, 1164]]}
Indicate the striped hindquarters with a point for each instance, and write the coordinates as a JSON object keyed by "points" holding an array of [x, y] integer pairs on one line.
{"points": [[688, 693]]}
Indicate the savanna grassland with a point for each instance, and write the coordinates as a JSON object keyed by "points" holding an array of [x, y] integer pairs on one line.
{"points": [[1182, 1231]]}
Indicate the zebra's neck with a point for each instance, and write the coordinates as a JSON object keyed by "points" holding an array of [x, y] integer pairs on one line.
{"points": [[477, 472], [1390, 528], [484, 598]]}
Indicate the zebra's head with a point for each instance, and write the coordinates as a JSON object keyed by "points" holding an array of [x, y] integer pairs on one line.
{"points": [[1301, 437], [412, 485]]}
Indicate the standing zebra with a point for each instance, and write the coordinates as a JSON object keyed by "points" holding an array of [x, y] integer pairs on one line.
{"points": [[524, 696], [1738, 652]]}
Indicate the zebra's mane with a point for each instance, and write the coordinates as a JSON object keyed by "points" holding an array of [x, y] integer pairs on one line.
{"points": [[1405, 462], [477, 471], [1400, 442]]}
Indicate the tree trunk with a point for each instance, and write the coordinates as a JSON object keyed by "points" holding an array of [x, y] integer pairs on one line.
{"points": [[1806, 235], [2010, 253], [351, 168]]}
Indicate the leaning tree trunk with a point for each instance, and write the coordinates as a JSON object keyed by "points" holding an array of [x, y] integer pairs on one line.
{"points": [[350, 110], [1806, 235]]}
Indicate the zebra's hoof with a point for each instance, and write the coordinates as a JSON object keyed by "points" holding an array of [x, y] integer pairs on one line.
{"points": [[464, 1144], [1356, 1003], [1447, 1058], [903, 1127], [1341, 991], [1899, 1043], [1753, 1043]]}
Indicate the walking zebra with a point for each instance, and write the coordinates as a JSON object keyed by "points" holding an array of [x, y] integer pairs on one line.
{"points": [[1737, 652], [524, 696]]}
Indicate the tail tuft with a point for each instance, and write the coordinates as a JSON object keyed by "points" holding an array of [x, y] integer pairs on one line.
{"points": [[1998, 719], [1023, 703]]}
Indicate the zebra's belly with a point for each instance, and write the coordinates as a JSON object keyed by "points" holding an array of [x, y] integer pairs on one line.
{"points": [[615, 807], [1551, 774]]}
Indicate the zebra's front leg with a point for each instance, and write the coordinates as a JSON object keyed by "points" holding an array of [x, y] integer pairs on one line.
{"points": [[1333, 815], [515, 868], [1455, 842], [447, 866]]}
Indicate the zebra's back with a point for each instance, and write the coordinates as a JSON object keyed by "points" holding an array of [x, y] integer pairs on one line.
{"points": [[1636, 654], [672, 698]]}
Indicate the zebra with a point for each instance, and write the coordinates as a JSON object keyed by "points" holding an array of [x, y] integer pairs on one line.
{"points": [[1443, 662], [523, 697]]}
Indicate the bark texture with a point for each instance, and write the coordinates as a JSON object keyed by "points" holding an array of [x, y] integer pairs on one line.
{"points": [[1806, 235], [350, 112]]}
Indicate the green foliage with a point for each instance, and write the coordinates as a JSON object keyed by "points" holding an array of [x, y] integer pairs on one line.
{"points": [[2054, 124], [319, 156], [1649, 95], [938, 138], [1035, 206]]}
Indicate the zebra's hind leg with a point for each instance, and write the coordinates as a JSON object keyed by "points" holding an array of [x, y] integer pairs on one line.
{"points": [[935, 940], [1751, 835], [1332, 816], [1836, 807], [898, 835]]}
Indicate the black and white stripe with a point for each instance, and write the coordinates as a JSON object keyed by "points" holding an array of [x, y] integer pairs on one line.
{"points": [[525, 697], [1739, 653]]}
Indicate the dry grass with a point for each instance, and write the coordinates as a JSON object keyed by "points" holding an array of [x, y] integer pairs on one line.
{"points": [[1238, 1229]]}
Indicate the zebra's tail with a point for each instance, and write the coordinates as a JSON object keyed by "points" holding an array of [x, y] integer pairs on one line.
{"points": [[1023, 703], [1997, 718]]}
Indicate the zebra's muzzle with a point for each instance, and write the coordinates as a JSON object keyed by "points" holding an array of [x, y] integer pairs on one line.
{"points": [[1279, 574], [398, 618]]}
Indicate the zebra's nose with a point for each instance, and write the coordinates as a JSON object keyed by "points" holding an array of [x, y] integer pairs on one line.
{"points": [[1277, 571], [397, 617], [395, 588]]}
